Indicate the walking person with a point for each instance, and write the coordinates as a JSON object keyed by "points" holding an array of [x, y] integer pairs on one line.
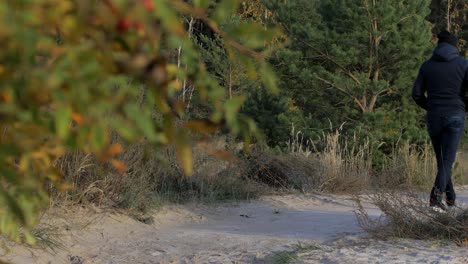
{"points": [[440, 89]]}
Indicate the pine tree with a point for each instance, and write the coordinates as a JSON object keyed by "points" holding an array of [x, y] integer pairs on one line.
{"points": [[296, 65], [369, 47], [359, 57]]}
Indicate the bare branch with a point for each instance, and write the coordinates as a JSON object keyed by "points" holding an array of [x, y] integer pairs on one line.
{"points": [[355, 99]]}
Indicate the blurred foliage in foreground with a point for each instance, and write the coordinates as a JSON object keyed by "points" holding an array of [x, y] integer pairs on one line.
{"points": [[70, 73]]}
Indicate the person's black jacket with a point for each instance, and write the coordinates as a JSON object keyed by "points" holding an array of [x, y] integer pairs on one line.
{"points": [[444, 78]]}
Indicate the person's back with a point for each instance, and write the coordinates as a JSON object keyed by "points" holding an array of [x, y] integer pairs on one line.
{"points": [[444, 78]]}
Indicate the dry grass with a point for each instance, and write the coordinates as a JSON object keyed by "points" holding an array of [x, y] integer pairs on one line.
{"points": [[407, 215], [153, 177], [408, 166], [338, 167], [289, 171], [80, 170], [347, 164], [332, 163], [460, 172]]}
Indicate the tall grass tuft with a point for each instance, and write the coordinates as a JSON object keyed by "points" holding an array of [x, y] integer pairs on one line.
{"points": [[345, 164], [408, 166]]}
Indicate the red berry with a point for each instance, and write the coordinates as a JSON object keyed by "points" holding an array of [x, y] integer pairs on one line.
{"points": [[123, 25], [138, 26], [97, 21], [148, 4]]}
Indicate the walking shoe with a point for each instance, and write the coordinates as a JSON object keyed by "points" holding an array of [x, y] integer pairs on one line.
{"points": [[436, 199], [439, 206], [450, 203]]}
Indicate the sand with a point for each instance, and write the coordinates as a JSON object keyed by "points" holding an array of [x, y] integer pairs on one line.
{"points": [[320, 228]]}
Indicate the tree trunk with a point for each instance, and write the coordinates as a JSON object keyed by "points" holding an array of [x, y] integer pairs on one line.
{"points": [[449, 4], [184, 83], [230, 81]]}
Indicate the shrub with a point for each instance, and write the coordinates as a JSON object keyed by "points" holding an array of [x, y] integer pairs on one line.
{"points": [[71, 74], [408, 215]]}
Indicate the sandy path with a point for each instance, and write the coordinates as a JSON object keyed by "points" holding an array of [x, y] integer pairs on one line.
{"points": [[257, 232]]}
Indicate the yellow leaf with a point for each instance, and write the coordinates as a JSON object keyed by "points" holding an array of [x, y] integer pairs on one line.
{"points": [[110, 152], [65, 187], [223, 154], [79, 119], [175, 85], [172, 69], [119, 165], [115, 149], [184, 154], [69, 24], [5, 95]]}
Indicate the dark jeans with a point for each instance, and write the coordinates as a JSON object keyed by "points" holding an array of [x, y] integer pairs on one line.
{"points": [[445, 131]]}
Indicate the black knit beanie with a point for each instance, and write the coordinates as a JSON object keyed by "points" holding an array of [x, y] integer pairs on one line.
{"points": [[447, 37]]}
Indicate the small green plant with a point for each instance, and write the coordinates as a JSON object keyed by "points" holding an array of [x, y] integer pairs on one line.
{"points": [[47, 237], [291, 256]]}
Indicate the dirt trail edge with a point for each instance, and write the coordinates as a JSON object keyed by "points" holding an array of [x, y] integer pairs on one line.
{"points": [[317, 228]]}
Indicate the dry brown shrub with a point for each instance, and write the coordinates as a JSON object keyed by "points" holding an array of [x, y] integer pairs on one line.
{"points": [[408, 215], [287, 171], [80, 170], [153, 176]]}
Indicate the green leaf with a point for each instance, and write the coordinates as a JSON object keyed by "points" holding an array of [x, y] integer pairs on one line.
{"points": [[252, 35], [62, 121], [232, 107], [144, 122], [30, 239], [249, 130], [250, 66], [169, 18], [269, 78], [14, 207], [224, 10], [8, 174], [8, 150], [202, 3], [124, 129], [98, 138]]}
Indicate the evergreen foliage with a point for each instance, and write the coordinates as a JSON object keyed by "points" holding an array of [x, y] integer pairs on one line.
{"points": [[354, 62]]}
